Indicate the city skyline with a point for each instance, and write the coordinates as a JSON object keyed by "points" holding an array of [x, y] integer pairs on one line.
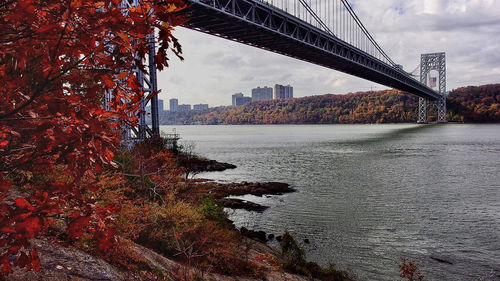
{"points": [[174, 106], [466, 30], [257, 94]]}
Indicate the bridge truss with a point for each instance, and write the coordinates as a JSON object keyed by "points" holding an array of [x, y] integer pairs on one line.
{"points": [[259, 24], [323, 32]]}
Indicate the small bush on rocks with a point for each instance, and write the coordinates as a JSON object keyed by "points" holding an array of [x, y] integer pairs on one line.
{"points": [[294, 260]]}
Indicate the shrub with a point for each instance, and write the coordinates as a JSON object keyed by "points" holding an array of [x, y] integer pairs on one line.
{"points": [[163, 212], [211, 210], [410, 270], [294, 260], [293, 256]]}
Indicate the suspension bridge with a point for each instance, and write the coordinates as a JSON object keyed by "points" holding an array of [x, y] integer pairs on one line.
{"points": [[323, 32]]}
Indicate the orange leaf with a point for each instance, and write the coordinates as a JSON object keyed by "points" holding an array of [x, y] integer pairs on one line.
{"points": [[109, 154], [122, 75], [7, 229], [75, 228], [124, 37], [108, 82], [35, 260], [30, 227], [22, 203]]}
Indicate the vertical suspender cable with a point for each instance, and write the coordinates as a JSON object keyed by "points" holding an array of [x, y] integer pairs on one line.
{"points": [[350, 28], [358, 38], [334, 19], [310, 16], [334, 16], [342, 24], [330, 15]]}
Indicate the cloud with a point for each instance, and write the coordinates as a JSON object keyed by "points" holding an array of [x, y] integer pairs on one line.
{"points": [[467, 30]]}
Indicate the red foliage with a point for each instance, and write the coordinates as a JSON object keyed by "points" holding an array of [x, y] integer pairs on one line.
{"points": [[410, 270], [57, 60]]}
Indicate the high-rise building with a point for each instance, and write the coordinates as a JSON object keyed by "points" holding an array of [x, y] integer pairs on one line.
{"points": [[259, 93], [235, 96], [174, 104], [184, 108], [200, 107], [242, 100], [160, 106], [283, 92], [288, 92]]}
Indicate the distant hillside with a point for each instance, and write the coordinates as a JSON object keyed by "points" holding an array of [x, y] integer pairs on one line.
{"points": [[475, 104], [469, 104]]}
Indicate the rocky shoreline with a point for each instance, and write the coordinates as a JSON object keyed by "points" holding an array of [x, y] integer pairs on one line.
{"points": [[59, 261], [221, 192], [233, 203], [297, 265], [252, 188], [195, 164]]}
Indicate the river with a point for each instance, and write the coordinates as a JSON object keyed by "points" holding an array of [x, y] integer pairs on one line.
{"points": [[370, 194]]}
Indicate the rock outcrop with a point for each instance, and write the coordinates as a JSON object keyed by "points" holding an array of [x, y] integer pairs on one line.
{"points": [[70, 264]]}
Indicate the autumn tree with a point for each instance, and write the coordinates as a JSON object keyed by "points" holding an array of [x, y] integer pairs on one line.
{"points": [[479, 104], [58, 58]]}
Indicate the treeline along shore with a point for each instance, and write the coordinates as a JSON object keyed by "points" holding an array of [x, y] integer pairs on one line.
{"points": [[473, 104]]}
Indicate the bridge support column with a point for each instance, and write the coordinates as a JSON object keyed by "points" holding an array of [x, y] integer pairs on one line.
{"points": [[441, 110], [149, 84], [423, 104], [429, 62]]}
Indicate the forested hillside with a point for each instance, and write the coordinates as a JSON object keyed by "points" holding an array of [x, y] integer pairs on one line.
{"points": [[468, 104], [471, 104]]}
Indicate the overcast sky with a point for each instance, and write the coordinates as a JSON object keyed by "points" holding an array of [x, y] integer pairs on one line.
{"points": [[467, 30]]}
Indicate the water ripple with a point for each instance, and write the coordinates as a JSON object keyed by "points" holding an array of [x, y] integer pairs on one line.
{"points": [[369, 195]]}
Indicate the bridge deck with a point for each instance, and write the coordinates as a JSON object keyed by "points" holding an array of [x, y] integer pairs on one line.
{"points": [[257, 24]]}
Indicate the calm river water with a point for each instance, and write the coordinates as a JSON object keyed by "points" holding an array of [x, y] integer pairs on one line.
{"points": [[370, 194]]}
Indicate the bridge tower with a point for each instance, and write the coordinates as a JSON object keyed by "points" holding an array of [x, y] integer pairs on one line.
{"points": [[149, 84], [428, 62]]}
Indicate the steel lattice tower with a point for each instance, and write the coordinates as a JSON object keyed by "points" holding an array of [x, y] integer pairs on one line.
{"points": [[428, 62], [149, 84]]}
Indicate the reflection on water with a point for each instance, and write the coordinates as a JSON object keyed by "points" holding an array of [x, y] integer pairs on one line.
{"points": [[369, 194]]}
